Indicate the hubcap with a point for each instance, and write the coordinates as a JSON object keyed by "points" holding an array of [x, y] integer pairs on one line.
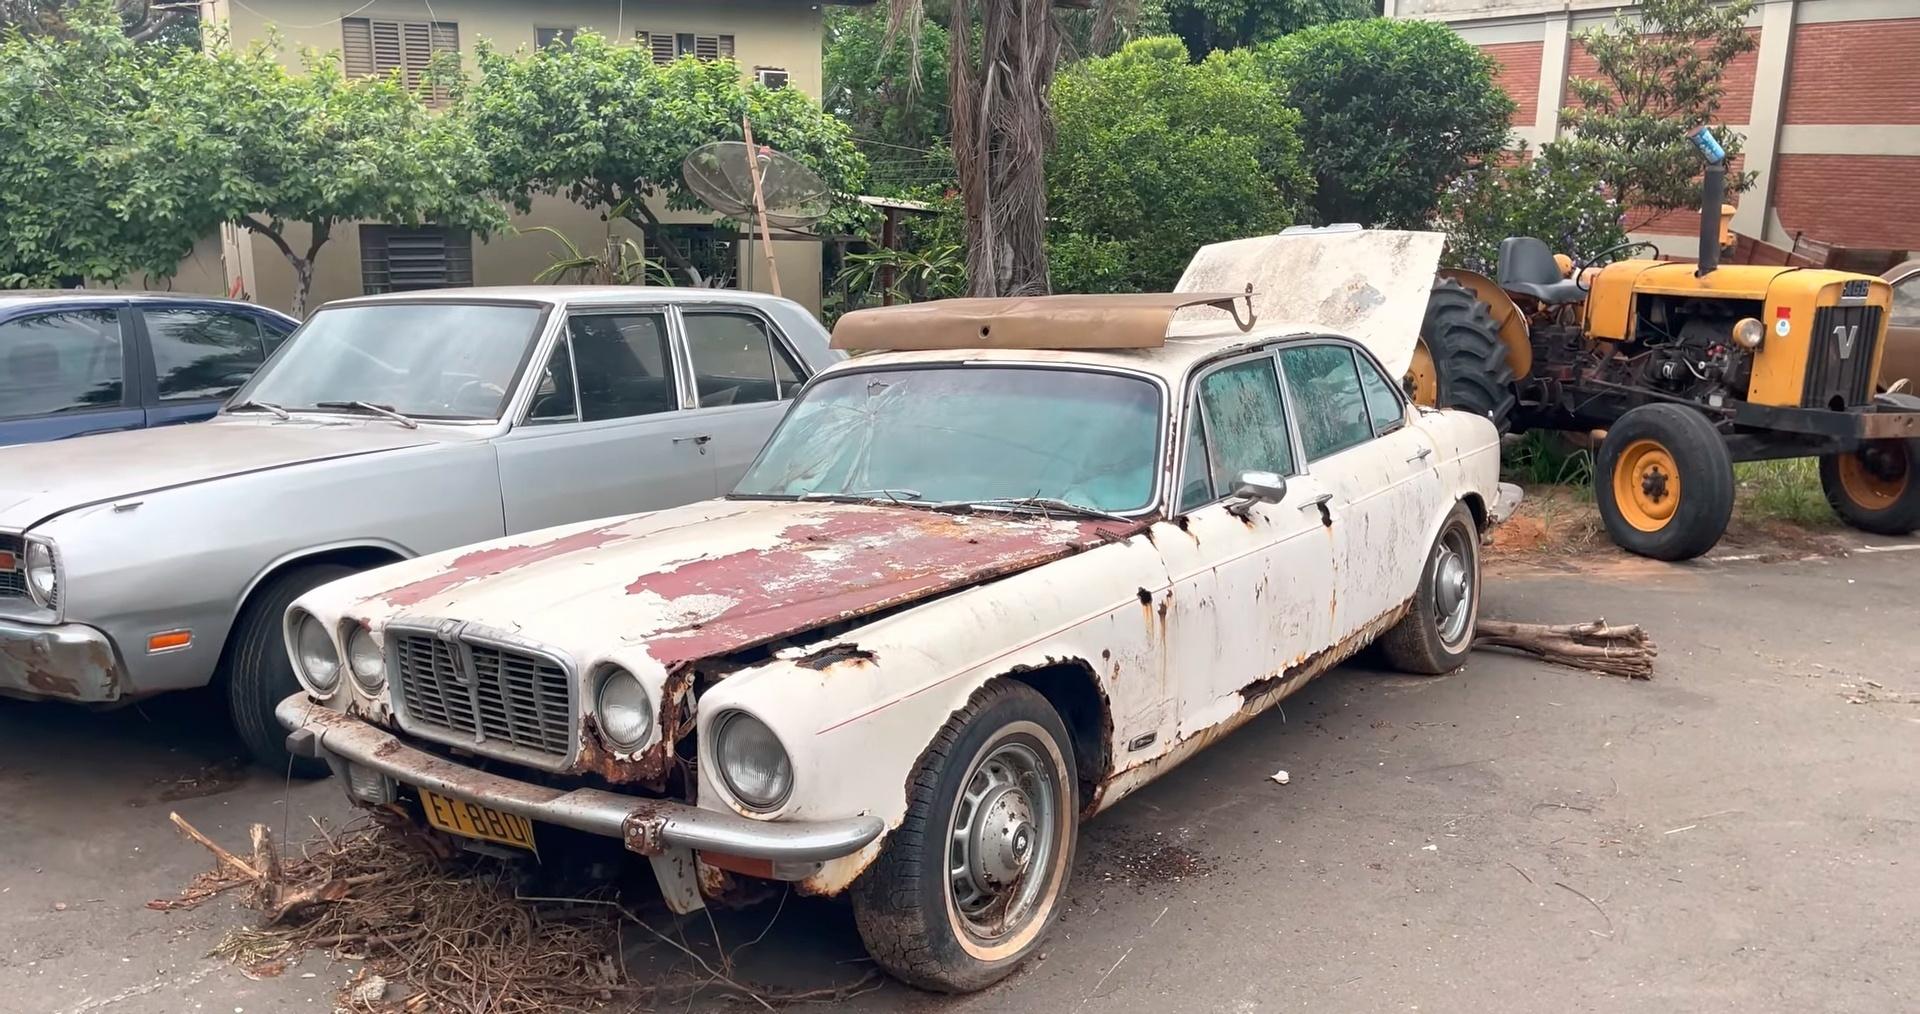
{"points": [[1646, 485], [1002, 840], [1876, 476], [1453, 586]]}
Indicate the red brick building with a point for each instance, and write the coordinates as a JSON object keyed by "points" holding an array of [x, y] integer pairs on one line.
{"points": [[1828, 106]]}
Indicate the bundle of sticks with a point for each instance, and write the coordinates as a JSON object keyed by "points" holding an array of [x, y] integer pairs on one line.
{"points": [[1595, 646]]}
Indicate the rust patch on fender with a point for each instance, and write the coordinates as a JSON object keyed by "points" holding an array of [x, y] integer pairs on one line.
{"points": [[483, 563], [835, 654]]}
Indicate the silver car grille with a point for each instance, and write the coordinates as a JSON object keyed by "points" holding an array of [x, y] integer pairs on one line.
{"points": [[484, 694], [13, 582]]}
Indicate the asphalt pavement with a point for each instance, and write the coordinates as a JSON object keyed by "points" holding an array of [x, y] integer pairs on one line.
{"points": [[1737, 834]]}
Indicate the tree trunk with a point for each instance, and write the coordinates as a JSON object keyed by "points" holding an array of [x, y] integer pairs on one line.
{"points": [[1002, 127]]}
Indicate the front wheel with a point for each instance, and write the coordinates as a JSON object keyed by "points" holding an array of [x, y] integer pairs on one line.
{"points": [[1437, 632], [1876, 488], [973, 876], [258, 675], [1664, 482]]}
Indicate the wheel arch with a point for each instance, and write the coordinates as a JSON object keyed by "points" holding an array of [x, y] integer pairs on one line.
{"points": [[361, 554]]}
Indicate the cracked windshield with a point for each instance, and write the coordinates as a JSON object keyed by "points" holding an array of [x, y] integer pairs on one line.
{"points": [[968, 434], [426, 360]]}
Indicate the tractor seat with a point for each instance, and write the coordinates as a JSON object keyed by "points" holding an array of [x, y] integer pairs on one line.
{"points": [[1527, 267]]}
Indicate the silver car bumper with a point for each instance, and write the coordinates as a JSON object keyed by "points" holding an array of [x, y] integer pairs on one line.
{"points": [[646, 826], [64, 662]]}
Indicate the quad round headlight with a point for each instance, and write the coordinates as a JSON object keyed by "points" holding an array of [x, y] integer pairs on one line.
{"points": [[752, 762], [622, 707], [314, 653], [364, 658], [43, 575]]}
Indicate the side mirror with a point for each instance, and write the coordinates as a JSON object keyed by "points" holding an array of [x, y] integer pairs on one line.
{"points": [[1253, 487]]}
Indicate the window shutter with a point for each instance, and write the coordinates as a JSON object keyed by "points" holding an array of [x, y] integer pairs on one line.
{"points": [[661, 45], [417, 43], [388, 54], [725, 47], [356, 46], [398, 259]]}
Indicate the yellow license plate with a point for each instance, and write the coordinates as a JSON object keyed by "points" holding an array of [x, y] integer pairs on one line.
{"points": [[475, 821]]}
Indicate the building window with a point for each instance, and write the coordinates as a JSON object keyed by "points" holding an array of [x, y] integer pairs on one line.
{"points": [[710, 248], [370, 46], [395, 258], [670, 46], [563, 37], [771, 77]]}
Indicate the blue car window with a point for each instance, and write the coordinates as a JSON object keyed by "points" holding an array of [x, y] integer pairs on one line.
{"points": [[201, 353], [64, 361]]}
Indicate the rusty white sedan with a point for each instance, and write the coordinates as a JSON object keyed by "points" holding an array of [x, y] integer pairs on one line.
{"points": [[966, 598]]}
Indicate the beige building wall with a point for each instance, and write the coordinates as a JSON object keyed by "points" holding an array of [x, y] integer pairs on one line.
{"points": [[785, 34]]}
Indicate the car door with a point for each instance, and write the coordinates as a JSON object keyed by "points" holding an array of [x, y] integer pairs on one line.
{"points": [[605, 432], [1901, 359], [1250, 598], [743, 373], [198, 355], [64, 373], [1378, 470]]}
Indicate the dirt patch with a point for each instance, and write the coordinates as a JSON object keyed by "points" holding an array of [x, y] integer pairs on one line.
{"points": [[211, 780], [1558, 528], [1146, 860]]}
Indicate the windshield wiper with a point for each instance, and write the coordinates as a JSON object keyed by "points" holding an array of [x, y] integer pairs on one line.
{"points": [[1041, 504], [864, 495], [367, 406], [259, 406]]}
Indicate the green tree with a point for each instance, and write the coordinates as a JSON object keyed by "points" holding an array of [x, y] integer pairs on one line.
{"points": [[606, 127], [1546, 197], [1207, 25], [97, 180], [1658, 79], [1157, 156], [1390, 112], [891, 92], [319, 149], [173, 23]]}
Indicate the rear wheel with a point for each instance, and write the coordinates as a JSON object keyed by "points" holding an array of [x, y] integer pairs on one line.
{"points": [[1876, 488], [257, 674], [1460, 361], [1664, 483], [1437, 632], [974, 874]]}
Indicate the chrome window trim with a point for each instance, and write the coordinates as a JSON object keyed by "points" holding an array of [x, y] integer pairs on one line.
{"points": [[1193, 405], [1286, 389], [776, 335]]}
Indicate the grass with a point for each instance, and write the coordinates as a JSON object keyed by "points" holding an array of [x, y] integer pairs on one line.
{"points": [[1543, 458], [1784, 490]]}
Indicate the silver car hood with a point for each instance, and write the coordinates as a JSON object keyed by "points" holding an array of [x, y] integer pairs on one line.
{"points": [[39, 481]]}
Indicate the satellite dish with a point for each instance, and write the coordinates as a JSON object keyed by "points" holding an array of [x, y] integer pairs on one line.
{"points": [[721, 174]]}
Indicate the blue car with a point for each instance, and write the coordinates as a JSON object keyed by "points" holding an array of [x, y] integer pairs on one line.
{"points": [[74, 362]]}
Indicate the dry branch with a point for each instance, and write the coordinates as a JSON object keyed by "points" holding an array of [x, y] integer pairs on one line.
{"points": [[1595, 647]]}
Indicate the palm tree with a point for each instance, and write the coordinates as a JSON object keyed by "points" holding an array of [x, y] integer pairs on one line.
{"points": [[1002, 126]]}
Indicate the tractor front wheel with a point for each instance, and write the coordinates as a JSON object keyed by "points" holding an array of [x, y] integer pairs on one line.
{"points": [[1459, 361], [1876, 488], [1664, 483]]}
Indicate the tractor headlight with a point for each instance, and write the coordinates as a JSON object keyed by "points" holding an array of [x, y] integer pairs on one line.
{"points": [[752, 762], [365, 659], [622, 707], [43, 574], [1748, 333], [314, 654]]}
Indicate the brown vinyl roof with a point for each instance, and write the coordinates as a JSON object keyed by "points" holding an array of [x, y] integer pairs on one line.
{"points": [[1133, 320]]}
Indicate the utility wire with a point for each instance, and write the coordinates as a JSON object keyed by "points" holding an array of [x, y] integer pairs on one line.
{"points": [[322, 24]]}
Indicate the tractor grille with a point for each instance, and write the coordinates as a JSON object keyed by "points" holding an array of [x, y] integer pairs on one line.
{"points": [[484, 695], [13, 581], [1840, 357]]}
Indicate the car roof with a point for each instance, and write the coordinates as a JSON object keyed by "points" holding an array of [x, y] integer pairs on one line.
{"points": [[1170, 361], [10, 298], [568, 294]]}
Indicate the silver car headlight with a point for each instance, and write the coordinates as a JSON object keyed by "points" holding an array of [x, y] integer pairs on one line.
{"points": [[365, 659], [623, 710], [314, 654], [752, 762], [43, 574]]}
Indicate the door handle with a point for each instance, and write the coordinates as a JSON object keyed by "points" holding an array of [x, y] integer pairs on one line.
{"points": [[1317, 502], [699, 442], [1422, 454]]}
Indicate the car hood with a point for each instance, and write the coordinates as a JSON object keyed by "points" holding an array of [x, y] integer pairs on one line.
{"points": [[714, 577], [38, 481]]}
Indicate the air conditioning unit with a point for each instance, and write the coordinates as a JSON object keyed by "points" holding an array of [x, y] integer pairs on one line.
{"points": [[771, 77]]}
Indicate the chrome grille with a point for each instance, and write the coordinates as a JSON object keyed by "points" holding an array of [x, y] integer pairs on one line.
{"points": [[13, 583], [484, 694]]}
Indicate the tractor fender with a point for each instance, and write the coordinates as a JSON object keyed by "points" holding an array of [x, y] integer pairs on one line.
{"points": [[1506, 314]]}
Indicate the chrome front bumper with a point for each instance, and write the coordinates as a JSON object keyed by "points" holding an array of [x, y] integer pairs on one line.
{"points": [[647, 826], [61, 662]]}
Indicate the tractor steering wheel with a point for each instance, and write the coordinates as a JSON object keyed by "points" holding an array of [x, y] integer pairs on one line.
{"points": [[1613, 253]]}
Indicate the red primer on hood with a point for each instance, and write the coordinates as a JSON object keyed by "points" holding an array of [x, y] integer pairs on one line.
{"points": [[851, 565], [483, 563]]}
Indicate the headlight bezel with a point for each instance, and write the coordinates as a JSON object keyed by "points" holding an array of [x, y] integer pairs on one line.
{"points": [[725, 728], [301, 624], [622, 680], [369, 683], [44, 597]]}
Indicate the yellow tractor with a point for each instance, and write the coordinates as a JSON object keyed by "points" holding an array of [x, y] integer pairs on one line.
{"points": [[1687, 368]]}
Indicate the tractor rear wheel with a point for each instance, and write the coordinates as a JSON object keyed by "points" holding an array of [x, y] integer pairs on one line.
{"points": [[1460, 361], [1664, 482], [1876, 488]]}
